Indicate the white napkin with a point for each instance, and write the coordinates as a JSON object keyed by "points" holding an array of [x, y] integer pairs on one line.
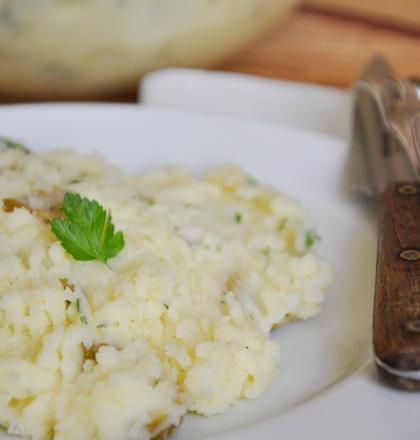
{"points": [[318, 108]]}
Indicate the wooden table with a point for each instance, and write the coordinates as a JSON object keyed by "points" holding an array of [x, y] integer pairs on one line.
{"points": [[328, 48]]}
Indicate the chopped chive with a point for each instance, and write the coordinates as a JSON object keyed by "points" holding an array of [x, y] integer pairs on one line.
{"points": [[101, 325], [310, 238], [266, 251], [238, 217], [166, 306], [78, 305], [13, 145], [281, 224], [83, 319]]}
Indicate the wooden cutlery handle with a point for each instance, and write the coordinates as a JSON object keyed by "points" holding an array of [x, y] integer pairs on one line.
{"points": [[396, 316]]}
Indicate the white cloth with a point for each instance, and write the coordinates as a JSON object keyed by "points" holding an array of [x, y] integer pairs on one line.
{"points": [[317, 108]]}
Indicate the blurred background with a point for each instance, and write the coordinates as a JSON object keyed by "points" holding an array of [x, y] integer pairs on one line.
{"points": [[99, 49]]}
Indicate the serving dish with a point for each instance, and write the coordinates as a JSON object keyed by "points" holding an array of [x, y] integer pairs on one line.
{"points": [[52, 49]]}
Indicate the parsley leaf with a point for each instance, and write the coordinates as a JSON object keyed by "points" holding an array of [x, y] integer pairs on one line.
{"points": [[310, 238], [13, 145], [238, 217], [87, 232]]}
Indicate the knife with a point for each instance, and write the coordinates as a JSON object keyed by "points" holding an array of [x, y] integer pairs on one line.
{"points": [[386, 163]]}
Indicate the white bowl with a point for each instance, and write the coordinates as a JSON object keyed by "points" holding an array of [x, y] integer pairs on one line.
{"points": [[61, 48]]}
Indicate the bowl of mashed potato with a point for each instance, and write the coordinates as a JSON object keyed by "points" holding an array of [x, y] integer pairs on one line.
{"points": [[76, 49]]}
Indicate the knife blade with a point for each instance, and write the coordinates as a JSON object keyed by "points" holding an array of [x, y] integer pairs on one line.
{"points": [[378, 156], [384, 164]]}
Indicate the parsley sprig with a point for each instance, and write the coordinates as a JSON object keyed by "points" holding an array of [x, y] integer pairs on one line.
{"points": [[86, 232]]}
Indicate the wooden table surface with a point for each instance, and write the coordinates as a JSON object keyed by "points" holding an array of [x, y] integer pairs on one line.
{"points": [[328, 48]]}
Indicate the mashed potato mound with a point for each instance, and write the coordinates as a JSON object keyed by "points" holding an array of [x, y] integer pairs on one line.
{"points": [[178, 321]]}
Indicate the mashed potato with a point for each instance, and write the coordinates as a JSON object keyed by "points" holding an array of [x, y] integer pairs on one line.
{"points": [[178, 321]]}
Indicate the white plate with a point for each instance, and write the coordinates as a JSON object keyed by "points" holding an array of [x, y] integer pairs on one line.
{"points": [[322, 388]]}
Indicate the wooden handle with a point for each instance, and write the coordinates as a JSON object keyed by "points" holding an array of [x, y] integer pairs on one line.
{"points": [[396, 315]]}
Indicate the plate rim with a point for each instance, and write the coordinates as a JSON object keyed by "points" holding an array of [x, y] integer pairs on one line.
{"points": [[144, 108]]}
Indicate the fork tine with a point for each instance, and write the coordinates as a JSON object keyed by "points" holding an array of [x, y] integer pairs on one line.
{"points": [[359, 174], [400, 167]]}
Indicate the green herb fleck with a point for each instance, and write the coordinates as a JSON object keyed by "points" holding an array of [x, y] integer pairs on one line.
{"points": [[101, 325], [310, 238], [266, 251], [281, 224], [74, 181], [83, 319], [148, 200], [251, 181], [87, 232], [78, 305], [238, 217], [166, 306], [13, 145]]}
